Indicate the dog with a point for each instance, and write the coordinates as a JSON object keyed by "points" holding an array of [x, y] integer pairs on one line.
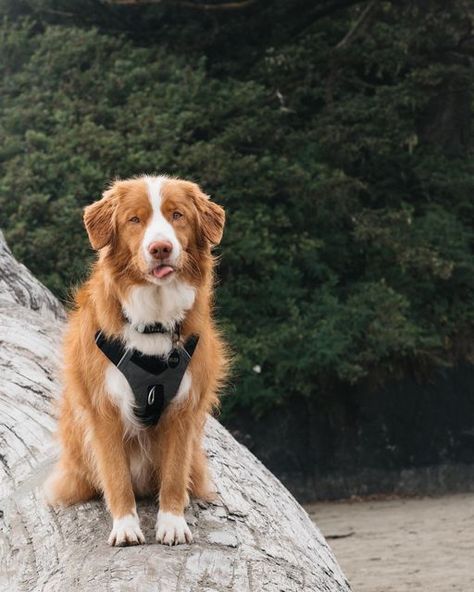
{"points": [[149, 292]]}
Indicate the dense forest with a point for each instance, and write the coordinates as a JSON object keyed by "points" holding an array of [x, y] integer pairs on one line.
{"points": [[335, 133]]}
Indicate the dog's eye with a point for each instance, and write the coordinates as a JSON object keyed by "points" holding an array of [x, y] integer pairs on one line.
{"points": [[134, 219], [177, 215]]}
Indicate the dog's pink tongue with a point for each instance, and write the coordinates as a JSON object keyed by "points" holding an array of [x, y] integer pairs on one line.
{"points": [[162, 271]]}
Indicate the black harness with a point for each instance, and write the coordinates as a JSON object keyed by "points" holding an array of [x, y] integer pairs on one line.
{"points": [[154, 380]]}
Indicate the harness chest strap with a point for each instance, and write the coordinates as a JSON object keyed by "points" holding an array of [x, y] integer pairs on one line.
{"points": [[154, 380]]}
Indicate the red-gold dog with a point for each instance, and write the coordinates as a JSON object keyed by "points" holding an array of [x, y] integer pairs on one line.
{"points": [[149, 290]]}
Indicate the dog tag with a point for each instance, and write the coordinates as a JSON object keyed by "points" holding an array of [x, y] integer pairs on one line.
{"points": [[174, 359]]}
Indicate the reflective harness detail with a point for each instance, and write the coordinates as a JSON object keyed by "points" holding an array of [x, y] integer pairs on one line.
{"points": [[154, 380]]}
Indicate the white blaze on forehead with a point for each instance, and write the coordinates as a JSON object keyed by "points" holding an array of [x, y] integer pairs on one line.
{"points": [[159, 228]]}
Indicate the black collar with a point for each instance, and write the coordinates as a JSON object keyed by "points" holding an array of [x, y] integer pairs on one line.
{"points": [[150, 328]]}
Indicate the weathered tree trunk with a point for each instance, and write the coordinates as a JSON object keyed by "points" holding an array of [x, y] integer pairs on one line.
{"points": [[255, 537]]}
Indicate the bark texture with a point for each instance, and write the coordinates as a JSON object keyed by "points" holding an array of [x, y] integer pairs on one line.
{"points": [[256, 537]]}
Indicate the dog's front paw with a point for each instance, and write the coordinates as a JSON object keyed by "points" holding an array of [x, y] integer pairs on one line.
{"points": [[126, 531], [171, 529]]}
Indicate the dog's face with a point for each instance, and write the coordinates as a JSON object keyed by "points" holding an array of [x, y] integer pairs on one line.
{"points": [[155, 228]]}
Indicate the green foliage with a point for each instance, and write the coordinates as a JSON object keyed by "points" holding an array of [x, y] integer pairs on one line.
{"points": [[346, 172]]}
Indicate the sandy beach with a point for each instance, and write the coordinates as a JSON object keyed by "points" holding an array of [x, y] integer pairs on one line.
{"points": [[402, 545]]}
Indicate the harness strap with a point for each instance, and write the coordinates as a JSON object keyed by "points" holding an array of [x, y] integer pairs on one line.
{"points": [[154, 380], [149, 328]]}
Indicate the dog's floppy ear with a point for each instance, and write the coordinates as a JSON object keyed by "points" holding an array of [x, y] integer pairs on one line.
{"points": [[211, 216], [99, 219]]}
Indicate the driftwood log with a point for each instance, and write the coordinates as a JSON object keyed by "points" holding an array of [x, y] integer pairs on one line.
{"points": [[256, 537]]}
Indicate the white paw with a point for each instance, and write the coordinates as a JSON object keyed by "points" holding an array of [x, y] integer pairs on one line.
{"points": [[171, 529], [126, 531]]}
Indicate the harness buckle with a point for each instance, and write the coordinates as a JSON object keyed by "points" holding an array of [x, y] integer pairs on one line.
{"points": [[151, 395]]}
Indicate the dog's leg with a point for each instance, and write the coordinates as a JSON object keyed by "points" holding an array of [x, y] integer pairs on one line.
{"points": [[201, 483], [67, 485], [173, 453], [114, 474]]}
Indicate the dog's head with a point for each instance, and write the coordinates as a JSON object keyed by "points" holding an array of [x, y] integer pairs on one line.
{"points": [[155, 228]]}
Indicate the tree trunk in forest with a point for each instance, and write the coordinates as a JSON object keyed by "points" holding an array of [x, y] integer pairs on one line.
{"points": [[254, 537]]}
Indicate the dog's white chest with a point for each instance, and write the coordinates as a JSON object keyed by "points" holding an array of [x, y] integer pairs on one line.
{"points": [[119, 390], [149, 304], [152, 304]]}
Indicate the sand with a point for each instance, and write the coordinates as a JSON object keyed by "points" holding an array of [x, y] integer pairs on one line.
{"points": [[401, 545]]}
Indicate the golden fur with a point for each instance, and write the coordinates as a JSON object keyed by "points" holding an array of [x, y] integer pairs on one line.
{"points": [[97, 447]]}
